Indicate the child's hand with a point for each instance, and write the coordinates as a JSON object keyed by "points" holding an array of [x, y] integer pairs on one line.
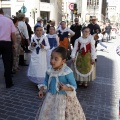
{"points": [[32, 44], [63, 87], [92, 62], [41, 94], [42, 46]]}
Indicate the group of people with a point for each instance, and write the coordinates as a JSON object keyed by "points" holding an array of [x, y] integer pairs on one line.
{"points": [[48, 68], [52, 74]]}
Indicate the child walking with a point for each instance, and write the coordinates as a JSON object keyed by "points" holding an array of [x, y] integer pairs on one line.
{"points": [[53, 41], [38, 63], [60, 102], [84, 55], [64, 33]]}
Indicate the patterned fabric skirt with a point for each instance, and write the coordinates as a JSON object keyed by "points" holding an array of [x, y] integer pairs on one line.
{"points": [[60, 107], [83, 70]]}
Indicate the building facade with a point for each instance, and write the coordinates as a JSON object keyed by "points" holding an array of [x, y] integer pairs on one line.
{"points": [[67, 14], [113, 12], [88, 8], [47, 9]]}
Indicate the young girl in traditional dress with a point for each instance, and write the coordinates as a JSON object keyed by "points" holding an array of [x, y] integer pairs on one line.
{"points": [[38, 63], [63, 34], [53, 41], [84, 56], [60, 102]]}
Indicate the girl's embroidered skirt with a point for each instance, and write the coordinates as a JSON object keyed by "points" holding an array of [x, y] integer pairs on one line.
{"points": [[60, 107]]}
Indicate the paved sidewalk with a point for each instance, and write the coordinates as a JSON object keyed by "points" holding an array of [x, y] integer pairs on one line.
{"points": [[100, 100]]}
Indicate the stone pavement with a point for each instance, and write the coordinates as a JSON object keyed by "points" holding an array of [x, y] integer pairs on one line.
{"points": [[100, 101]]}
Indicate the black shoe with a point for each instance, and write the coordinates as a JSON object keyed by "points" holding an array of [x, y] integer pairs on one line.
{"points": [[9, 86]]}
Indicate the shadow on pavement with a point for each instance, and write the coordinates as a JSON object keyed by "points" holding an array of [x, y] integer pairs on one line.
{"points": [[100, 100]]}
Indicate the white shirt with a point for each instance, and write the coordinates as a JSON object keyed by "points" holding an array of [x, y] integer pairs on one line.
{"points": [[66, 30], [23, 28], [84, 42]]}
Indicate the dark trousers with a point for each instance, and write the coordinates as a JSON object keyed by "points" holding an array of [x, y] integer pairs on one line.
{"points": [[6, 52], [108, 37]]}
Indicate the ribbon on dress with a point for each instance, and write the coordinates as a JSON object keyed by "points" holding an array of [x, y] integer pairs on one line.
{"points": [[55, 74], [38, 47], [37, 43], [83, 45]]}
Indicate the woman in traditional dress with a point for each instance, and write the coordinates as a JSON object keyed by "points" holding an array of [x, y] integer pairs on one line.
{"points": [[38, 63], [53, 41], [84, 56], [63, 34], [60, 102]]}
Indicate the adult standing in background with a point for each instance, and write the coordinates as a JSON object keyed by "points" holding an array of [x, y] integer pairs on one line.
{"points": [[16, 51], [77, 29], [53, 23], [30, 32], [108, 31], [7, 31], [23, 28], [39, 22], [94, 26], [48, 26]]}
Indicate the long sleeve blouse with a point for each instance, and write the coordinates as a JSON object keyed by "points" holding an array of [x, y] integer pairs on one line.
{"points": [[23, 28], [42, 40], [84, 42], [53, 78]]}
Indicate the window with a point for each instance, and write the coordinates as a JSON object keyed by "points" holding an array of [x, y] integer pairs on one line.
{"points": [[89, 2], [97, 2], [48, 1]]}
